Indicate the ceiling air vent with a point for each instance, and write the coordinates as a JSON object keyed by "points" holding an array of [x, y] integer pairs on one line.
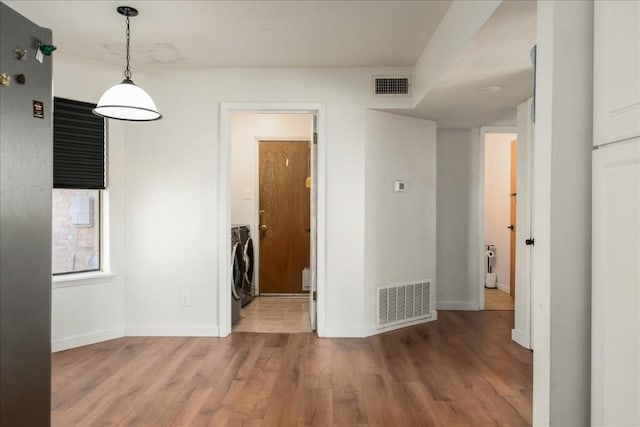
{"points": [[392, 85]]}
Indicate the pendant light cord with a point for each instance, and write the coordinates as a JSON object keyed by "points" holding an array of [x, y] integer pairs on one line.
{"points": [[127, 71]]}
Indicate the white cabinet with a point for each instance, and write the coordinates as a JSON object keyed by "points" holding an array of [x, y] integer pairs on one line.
{"points": [[615, 314], [615, 358], [616, 71]]}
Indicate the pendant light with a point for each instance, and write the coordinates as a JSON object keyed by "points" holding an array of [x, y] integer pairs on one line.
{"points": [[126, 101]]}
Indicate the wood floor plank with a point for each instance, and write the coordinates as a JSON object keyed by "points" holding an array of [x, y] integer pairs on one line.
{"points": [[318, 408], [462, 369]]}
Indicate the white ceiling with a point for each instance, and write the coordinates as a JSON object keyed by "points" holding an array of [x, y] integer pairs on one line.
{"points": [[243, 33], [311, 34], [499, 55]]}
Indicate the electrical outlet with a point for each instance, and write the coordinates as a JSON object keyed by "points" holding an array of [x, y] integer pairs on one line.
{"points": [[185, 299]]}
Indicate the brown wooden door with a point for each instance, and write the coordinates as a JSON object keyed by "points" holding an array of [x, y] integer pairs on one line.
{"points": [[512, 234], [284, 215]]}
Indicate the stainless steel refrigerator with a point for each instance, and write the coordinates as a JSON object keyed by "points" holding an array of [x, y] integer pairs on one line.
{"points": [[25, 222]]}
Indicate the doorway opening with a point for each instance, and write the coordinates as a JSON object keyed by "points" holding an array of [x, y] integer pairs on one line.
{"points": [[507, 225], [500, 198], [273, 193]]}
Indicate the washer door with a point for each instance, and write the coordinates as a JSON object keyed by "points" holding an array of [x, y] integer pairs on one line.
{"points": [[248, 262], [236, 271]]}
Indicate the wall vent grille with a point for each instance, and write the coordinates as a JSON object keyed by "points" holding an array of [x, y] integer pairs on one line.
{"points": [[404, 303], [389, 85]]}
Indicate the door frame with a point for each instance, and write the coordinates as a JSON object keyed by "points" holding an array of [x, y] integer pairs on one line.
{"points": [[224, 204]]}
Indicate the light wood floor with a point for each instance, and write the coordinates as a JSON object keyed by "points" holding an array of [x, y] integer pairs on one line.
{"points": [[495, 299], [462, 369], [275, 314]]}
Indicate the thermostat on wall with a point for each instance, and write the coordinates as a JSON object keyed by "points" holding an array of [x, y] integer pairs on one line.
{"points": [[398, 186]]}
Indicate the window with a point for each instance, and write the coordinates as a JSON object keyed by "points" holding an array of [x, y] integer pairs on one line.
{"points": [[78, 179], [76, 230]]}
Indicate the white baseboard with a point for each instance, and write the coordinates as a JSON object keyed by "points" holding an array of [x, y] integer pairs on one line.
{"points": [[133, 331], [503, 288], [342, 332], [520, 338], [457, 305], [86, 339], [172, 331], [373, 330]]}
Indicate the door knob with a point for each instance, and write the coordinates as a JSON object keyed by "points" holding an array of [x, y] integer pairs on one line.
{"points": [[510, 227], [263, 227]]}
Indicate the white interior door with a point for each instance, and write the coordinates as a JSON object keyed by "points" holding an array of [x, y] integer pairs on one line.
{"points": [[521, 332]]}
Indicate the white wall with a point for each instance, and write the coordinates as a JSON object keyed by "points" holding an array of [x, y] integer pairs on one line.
{"points": [[497, 202], [92, 310], [172, 177], [400, 228], [459, 162], [562, 214], [169, 211]]}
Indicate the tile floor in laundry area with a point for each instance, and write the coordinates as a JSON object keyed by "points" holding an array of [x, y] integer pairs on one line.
{"points": [[275, 314]]}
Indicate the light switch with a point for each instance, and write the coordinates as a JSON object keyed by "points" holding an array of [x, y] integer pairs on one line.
{"points": [[247, 194], [398, 186]]}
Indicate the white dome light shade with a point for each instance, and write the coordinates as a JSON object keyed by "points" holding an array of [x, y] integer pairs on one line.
{"points": [[126, 101]]}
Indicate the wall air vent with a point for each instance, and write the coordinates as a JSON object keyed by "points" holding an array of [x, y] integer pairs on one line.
{"points": [[404, 303], [392, 85]]}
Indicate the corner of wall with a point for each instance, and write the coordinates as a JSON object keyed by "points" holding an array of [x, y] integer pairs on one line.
{"points": [[88, 338]]}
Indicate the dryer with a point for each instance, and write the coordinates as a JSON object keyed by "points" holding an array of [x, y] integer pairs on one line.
{"points": [[237, 275], [248, 256]]}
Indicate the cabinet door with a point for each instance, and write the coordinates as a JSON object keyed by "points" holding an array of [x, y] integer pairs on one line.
{"points": [[615, 391], [616, 71]]}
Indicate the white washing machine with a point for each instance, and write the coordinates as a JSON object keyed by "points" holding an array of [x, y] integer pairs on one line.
{"points": [[237, 275], [248, 257]]}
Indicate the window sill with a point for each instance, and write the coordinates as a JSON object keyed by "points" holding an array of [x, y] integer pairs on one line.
{"points": [[81, 279]]}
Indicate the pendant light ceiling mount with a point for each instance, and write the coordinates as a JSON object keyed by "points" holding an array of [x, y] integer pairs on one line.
{"points": [[126, 101], [127, 11]]}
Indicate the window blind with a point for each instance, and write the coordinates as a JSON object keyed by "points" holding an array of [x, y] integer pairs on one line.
{"points": [[78, 146]]}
